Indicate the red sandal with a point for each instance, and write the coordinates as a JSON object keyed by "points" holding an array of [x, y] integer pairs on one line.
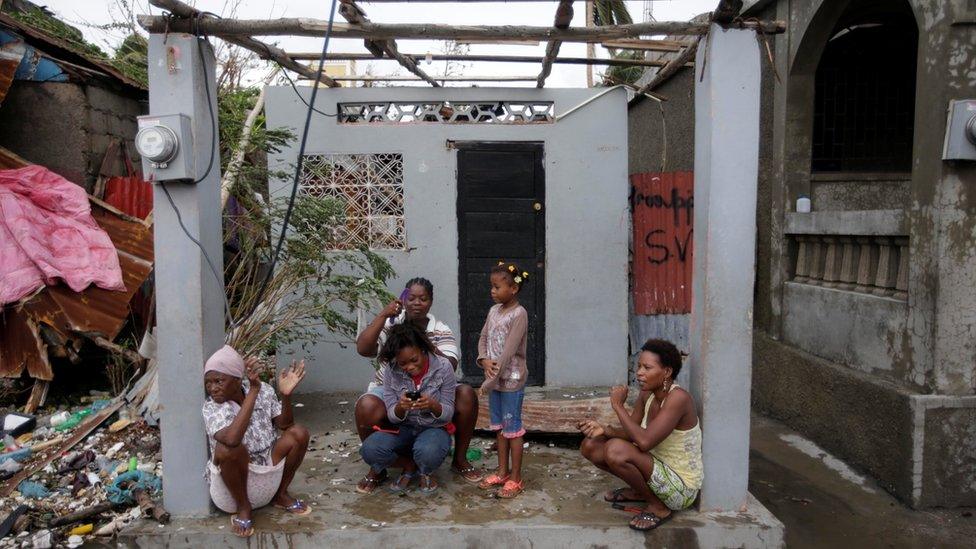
{"points": [[492, 481], [511, 489]]}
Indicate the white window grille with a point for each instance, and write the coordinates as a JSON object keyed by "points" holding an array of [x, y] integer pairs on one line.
{"points": [[371, 187], [448, 112]]}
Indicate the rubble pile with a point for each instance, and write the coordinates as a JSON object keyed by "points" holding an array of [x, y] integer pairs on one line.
{"points": [[78, 474]]}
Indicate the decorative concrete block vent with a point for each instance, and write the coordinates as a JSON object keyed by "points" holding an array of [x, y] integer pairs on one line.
{"points": [[371, 187], [448, 112], [876, 265]]}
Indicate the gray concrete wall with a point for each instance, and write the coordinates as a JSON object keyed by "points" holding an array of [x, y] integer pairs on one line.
{"points": [[885, 353], [66, 126], [587, 218]]}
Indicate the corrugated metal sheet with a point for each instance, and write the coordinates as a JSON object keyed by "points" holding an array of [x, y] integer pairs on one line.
{"points": [[662, 206], [55, 319], [130, 194]]}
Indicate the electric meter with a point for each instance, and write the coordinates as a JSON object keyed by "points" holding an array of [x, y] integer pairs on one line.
{"points": [[165, 143], [158, 144], [960, 137]]}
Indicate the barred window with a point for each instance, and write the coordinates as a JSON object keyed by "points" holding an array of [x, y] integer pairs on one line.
{"points": [[371, 187]]}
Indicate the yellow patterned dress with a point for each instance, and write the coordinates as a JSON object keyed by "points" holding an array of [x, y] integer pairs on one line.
{"points": [[677, 474]]}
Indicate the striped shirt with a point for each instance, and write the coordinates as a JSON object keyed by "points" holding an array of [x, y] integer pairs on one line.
{"points": [[439, 334]]}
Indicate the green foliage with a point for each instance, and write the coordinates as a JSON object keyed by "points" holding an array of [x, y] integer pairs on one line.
{"points": [[313, 288], [611, 12], [629, 75], [130, 59]]}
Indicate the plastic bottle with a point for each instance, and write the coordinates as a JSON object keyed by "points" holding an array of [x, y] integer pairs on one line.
{"points": [[803, 204], [133, 463]]}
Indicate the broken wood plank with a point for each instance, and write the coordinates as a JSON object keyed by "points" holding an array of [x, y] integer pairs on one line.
{"points": [[564, 16], [77, 436], [645, 45], [81, 515], [264, 51], [668, 70], [150, 509], [556, 415], [37, 396], [127, 354]]}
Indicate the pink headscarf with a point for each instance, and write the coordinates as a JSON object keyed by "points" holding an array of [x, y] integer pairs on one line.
{"points": [[226, 361]]}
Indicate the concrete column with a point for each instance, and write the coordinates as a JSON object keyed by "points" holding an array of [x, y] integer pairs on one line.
{"points": [[189, 302], [726, 173]]}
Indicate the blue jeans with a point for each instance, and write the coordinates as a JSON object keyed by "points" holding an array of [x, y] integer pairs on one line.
{"points": [[506, 413], [428, 446]]}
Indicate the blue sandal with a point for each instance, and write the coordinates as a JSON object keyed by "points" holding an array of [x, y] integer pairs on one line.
{"points": [[396, 488], [246, 527], [428, 485], [298, 508]]}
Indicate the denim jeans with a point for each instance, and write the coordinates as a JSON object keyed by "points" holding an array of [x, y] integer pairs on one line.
{"points": [[427, 445]]}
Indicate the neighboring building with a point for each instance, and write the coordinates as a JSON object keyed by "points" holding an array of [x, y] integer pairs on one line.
{"points": [[865, 308], [61, 104], [446, 182]]}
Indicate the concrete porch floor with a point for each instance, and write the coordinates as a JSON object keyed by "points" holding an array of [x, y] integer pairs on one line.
{"points": [[562, 506]]}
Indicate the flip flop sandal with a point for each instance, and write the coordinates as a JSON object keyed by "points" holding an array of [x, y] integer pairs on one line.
{"points": [[470, 474], [492, 481], [246, 527], [616, 496], [427, 485], [396, 488], [644, 516], [511, 489], [367, 485], [298, 508], [626, 509]]}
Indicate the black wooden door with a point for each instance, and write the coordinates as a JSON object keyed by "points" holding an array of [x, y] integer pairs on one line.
{"points": [[501, 216]]}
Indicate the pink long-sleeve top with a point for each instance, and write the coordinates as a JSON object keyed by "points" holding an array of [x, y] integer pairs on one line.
{"points": [[503, 339]]}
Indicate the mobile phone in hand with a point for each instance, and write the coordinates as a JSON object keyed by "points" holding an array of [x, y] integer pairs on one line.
{"points": [[413, 395]]}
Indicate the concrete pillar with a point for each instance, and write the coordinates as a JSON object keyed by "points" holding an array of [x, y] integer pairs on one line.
{"points": [[189, 302], [726, 172]]}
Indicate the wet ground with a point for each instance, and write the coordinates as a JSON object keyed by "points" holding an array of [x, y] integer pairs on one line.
{"points": [[820, 502], [824, 503]]}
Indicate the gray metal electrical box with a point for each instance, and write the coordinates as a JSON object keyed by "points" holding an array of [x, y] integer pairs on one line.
{"points": [[960, 138], [165, 143]]}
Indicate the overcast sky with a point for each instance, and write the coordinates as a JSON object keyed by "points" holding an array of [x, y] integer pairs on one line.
{"points": [[100, 12]]}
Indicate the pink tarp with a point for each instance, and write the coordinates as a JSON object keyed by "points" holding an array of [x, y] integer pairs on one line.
{"points": [[47, 234]]}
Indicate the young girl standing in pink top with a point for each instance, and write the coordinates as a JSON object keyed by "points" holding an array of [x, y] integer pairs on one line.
{"points": [[501, 353]]}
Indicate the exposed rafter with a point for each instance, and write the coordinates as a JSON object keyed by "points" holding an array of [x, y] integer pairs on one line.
{"points": [[490, 58], [400, 78], [263, 50], [355, 15], [668, 70], [564, 16], [645, 45]]}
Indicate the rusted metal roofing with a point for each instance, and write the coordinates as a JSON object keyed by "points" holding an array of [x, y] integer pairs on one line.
{"points": [[68, 52], [11, 55], [662, 205], [53, 321]]}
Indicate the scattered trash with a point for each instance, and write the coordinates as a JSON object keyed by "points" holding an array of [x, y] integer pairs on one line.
{"points": [[343, 402], [33, 490], [473, 454], [298, 405], [82, 530], [15, 424], [119, 425]]}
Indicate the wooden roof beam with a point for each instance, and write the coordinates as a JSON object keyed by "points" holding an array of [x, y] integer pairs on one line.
{"points": [[355, 15], [644, 45], [263, 50], [668, 70], [401, 78], [616, 62], [377, 31], [564, 16]]}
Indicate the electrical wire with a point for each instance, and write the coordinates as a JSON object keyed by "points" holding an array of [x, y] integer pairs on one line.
{"points": [[206, 256], [284, 71], [298, 170]]}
